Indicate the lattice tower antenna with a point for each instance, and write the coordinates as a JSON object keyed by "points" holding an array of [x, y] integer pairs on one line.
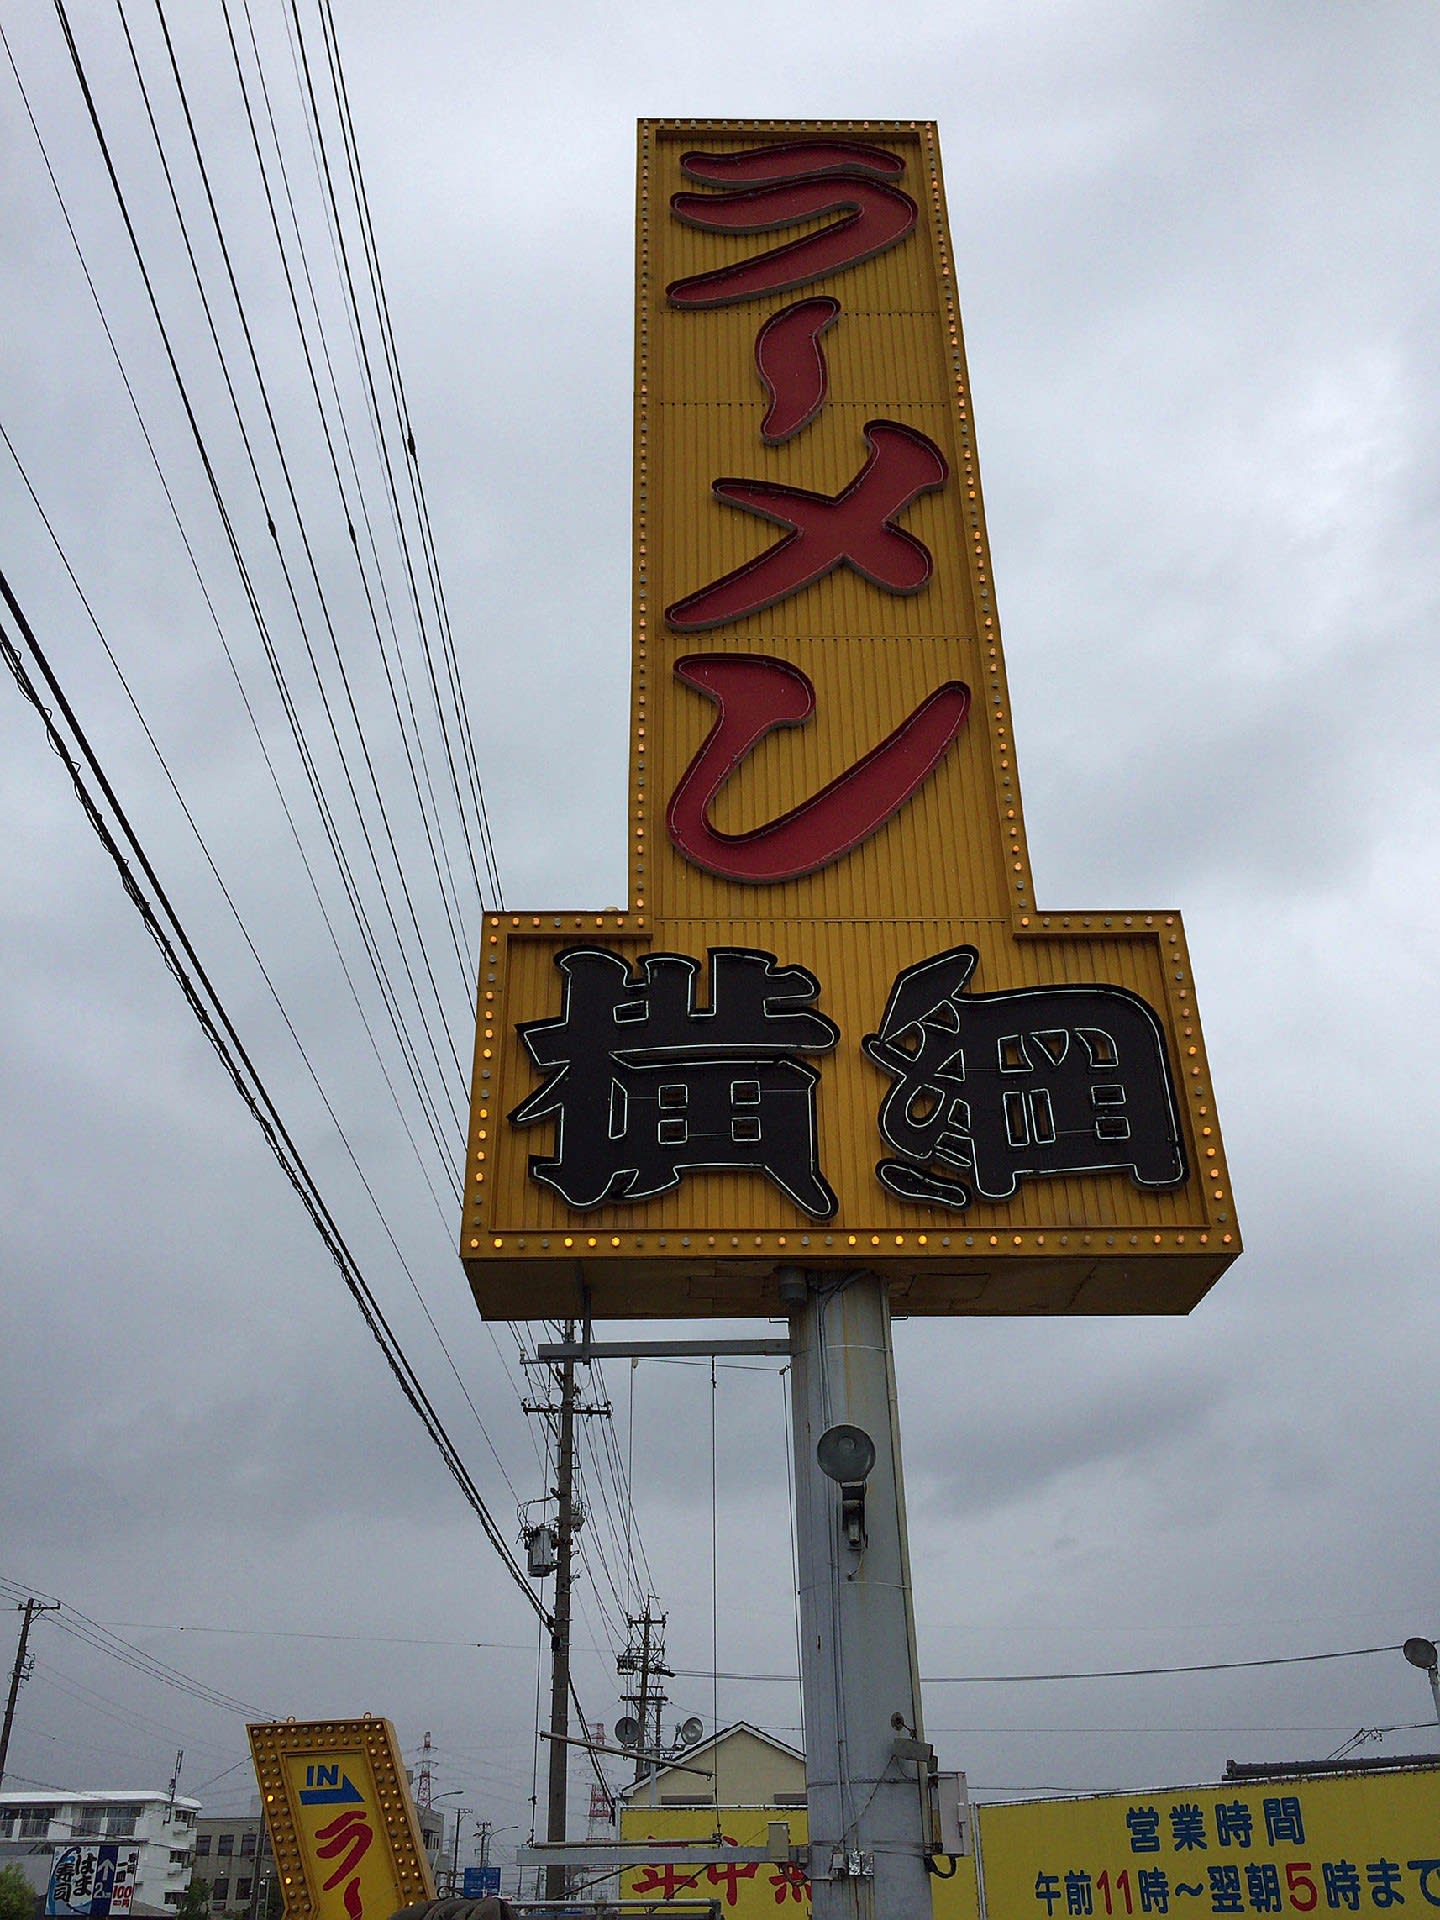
{"points": [[602, 1802]]}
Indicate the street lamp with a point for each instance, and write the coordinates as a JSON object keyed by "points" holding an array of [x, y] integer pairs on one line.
{"points": [[1423, 1654], [452, 1793]]}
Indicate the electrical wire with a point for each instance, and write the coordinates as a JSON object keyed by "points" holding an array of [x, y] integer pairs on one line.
{"points": [[172, 942], [300, 52], [69, 1620], [324, 812], [221, 638], [1141, 1673], [265, 975], [411, 738], [209, 1011], [1093, 1673], [194, 827], [307, 546]]}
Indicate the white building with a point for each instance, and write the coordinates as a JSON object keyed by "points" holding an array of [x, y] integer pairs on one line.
{"points": [[105, 1853]]}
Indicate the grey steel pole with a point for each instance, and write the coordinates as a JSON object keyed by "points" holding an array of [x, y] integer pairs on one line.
{"points": [[555, 1876], [865, 1772]]}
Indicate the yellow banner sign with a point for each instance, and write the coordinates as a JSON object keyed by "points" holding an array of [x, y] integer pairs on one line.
{"points": [[341, 1820], [748, 1889], [1362, 1843], [833, 1027]]}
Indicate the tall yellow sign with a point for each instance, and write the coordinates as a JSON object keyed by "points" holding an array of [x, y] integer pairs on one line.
{"points": [[834, 1027]]}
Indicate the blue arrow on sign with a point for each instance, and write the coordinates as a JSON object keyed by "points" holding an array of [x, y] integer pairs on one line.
{"points": [[328, 1787]]}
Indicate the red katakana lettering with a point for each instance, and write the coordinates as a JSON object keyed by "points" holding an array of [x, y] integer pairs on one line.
{"points": [[348, 1833], [730, 1875], [791, 160], [791, 1882], [755, 694], [854, 528], [780, 186], [666, 1880], [791, 362]]}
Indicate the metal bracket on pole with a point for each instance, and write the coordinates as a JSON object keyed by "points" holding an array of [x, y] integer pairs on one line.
{"points": [[587, 1349], [630, 1753], [852, 1863], [620, 1854]]}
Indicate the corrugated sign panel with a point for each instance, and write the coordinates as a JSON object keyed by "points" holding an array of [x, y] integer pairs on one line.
{"points": [[748, 1890], [1352, 1845], [868, 1045]]}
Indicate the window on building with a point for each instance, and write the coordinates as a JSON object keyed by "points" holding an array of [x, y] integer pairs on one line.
{"points": [[173, 1899], [219, 1892], [121, 1821], [35, 1821], [225, 1843], [242, 1889], [88, 1819], [202, 1844], [183, 1816], [247, 1843]]}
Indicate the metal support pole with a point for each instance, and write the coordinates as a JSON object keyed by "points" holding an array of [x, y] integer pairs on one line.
{"points": [[555, 1878], [866, 1764]]}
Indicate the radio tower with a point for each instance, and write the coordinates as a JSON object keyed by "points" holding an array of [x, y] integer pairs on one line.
{"points": [[422, 1784], [602, 1801]]}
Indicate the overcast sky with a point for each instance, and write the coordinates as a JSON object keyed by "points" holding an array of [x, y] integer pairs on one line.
{"points": [[1198, 258]]}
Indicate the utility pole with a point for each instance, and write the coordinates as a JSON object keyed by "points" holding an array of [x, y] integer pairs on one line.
{"points": [[29, 1608], [461, 1815], [260, 1878], [647, 1659], [566, 1414]]}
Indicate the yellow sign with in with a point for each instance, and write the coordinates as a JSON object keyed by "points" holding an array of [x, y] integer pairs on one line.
{"points": [[342, 1824], [1361, 1843], [833, 1027]]}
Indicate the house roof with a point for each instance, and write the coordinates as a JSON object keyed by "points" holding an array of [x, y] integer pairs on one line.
{"points": [[701, 1747]]}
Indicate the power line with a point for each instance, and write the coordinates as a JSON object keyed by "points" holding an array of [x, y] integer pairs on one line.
{"points": [[300, 52], [205, 1003], [324, 812], [193, 824], [80, 1626], [1141, 1673], [1105, 1673], [306, 543]]}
